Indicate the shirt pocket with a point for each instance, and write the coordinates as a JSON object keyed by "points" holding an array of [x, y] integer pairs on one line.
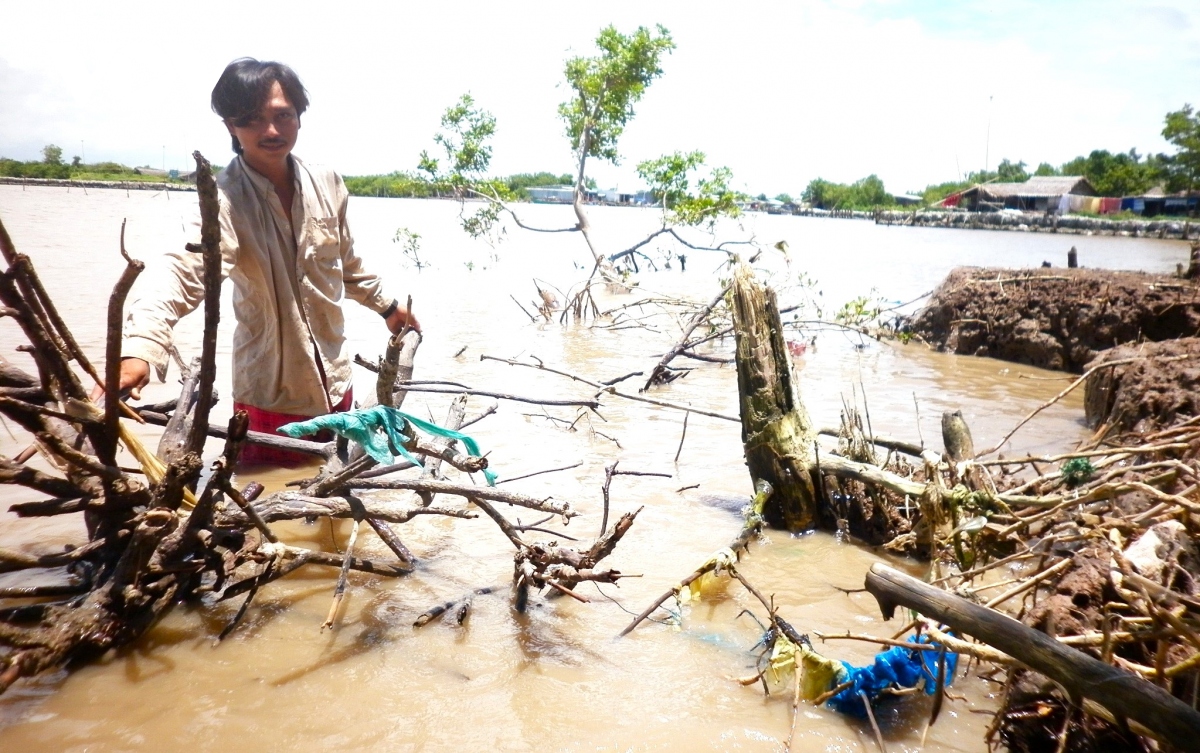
{"points": [[326, 236]]}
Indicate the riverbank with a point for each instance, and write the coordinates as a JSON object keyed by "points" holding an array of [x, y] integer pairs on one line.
{"points": [[1037, 222], [1173, 228], [1056, 319], [1030, 222], [503, 673], [127, 185]]}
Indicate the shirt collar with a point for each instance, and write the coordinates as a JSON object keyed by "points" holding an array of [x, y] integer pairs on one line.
{"points": [[260, 182]]}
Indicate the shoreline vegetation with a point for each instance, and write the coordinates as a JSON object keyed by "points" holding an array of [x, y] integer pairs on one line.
{"points": [[1175, 228], [1103, 544]]}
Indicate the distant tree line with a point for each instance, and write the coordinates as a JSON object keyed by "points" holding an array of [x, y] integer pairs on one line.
{"points": [[861, 194], [1119, 174], [421, 186], [52, 166]]}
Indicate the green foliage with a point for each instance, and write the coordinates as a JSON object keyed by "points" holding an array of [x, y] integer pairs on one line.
{"points": [[520, 183], [395, 185], [464, 138], [410, 245], [668, 175], [938, 191], [51, 154], [1110, 174], [670, 180], [607, 86], [866, 193], [482, 221], [1011, 172], [45, 168], [1182, 129], [785, 198], [860, 311], [11, 168], [1077, 471], [1116, 174]]}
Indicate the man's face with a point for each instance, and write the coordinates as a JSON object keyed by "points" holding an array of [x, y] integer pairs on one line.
{"points": [[270, 136]]}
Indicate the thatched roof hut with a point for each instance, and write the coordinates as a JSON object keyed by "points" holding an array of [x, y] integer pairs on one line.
{"points": [[1040, 193]]}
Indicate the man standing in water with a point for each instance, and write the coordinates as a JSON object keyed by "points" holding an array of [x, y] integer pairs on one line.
{"points": [[287, 247]]}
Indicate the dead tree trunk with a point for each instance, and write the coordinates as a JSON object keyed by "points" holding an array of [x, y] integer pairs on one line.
{"points": [[779, 438]]}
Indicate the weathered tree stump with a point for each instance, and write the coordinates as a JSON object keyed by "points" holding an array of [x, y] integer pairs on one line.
{"points": [[956, 437], [779, 438]]}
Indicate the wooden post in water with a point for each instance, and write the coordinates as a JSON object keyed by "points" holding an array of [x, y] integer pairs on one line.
{"points": [[779, 438], [956, 437]]}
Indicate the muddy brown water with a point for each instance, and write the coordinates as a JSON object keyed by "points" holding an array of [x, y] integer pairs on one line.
{"points": [[555, 678]]}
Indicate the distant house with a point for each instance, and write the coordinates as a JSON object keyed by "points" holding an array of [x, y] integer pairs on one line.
{"points": [[1157, 202], [615, 196], [552, 194], [906, 199], [1040, 193]]}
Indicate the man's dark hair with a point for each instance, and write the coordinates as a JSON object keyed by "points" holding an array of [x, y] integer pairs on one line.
{"points": [[245, 85]]}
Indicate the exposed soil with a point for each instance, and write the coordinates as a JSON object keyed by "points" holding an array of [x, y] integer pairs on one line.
{"points": [[1055, 318], [1161, 386]]}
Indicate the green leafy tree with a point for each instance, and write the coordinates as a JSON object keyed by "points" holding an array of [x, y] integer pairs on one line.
{"points": [[1046, 169], [670, 179], [865, 193], [1182, 129], [605, 89], [870, 192], [520, 183], [1121, 174], [51, 154], [1011, 172], [785, 198], [464, 137]]}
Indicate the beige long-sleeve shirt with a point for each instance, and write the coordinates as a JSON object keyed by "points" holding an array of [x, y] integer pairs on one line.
{"points": [[289, 279]]}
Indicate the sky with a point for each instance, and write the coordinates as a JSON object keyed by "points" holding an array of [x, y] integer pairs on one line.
{"points": [[779, 92]]}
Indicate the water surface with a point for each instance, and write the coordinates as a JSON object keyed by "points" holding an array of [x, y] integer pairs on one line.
{"points": [[554, 678]]}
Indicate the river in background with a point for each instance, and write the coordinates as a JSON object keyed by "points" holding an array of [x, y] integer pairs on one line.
{"points": [[554, 678]]}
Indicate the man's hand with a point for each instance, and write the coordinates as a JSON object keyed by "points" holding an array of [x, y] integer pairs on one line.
{"points": [[135, 374], [395, 323]]}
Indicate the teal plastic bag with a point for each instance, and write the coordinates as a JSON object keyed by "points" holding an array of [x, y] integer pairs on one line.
{"points": [[378, 429]]}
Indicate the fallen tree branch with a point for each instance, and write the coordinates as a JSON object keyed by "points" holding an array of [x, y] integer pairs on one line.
{"points": [[483, 492], [1122, 693]]}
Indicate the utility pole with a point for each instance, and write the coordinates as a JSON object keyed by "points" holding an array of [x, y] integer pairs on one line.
{"points": [[987, 144]]}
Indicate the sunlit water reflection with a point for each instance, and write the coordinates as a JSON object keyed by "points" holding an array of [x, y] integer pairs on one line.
{"points": [[555, 678]]}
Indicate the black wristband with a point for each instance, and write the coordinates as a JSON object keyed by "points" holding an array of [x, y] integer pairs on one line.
{"points": [[391, 309]]}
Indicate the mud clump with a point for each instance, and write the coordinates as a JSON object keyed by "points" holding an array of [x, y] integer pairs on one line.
{"points": [[1054, 318], [1159, 387]]}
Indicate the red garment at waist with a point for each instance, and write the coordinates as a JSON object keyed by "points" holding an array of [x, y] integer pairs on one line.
{"points": [[268, 422]]}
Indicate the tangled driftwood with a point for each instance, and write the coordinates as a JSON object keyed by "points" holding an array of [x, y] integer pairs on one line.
{"points": [[1093, 552], [163, 536]]}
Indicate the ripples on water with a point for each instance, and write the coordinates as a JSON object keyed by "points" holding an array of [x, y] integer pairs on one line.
{"points": [[555, 678]]}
